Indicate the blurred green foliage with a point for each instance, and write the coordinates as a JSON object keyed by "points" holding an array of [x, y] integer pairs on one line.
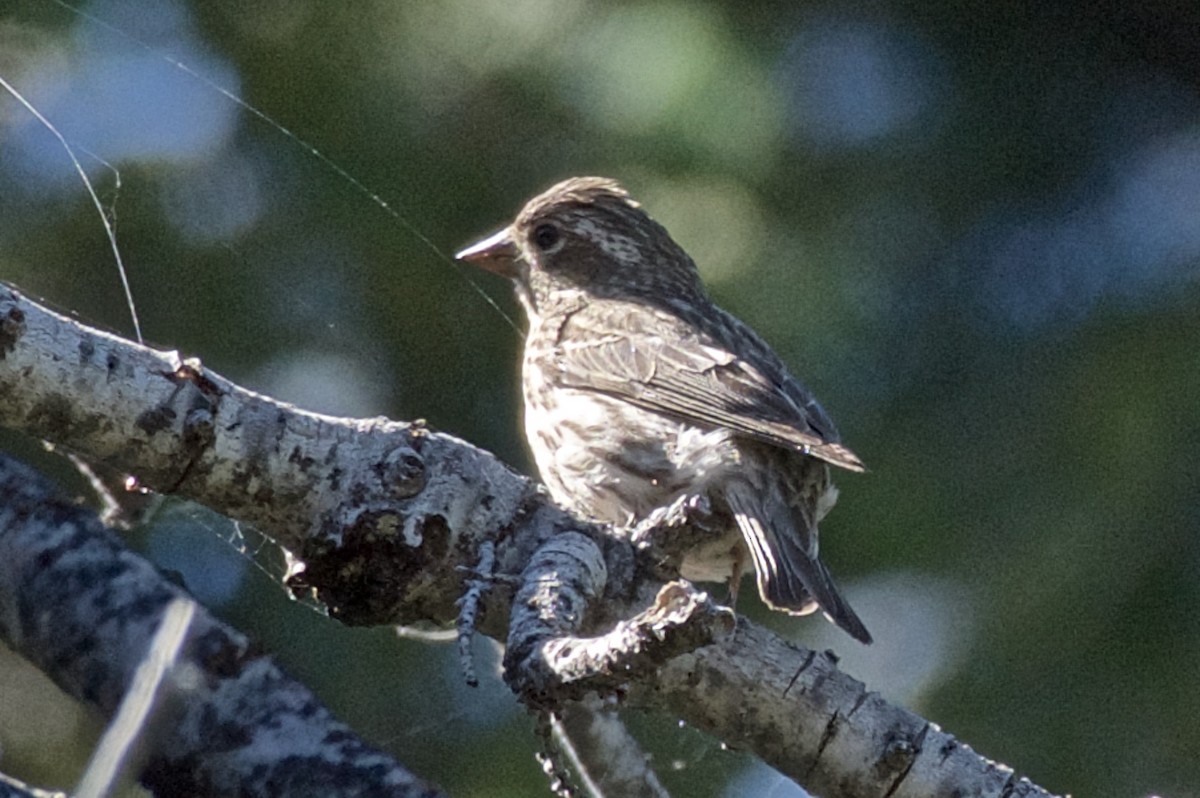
{"points": [[973, 230]]}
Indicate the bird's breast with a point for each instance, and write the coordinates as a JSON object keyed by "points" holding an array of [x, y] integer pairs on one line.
{"points": [[613, 461]]}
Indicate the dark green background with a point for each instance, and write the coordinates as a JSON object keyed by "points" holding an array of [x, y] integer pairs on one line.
{"points": [[974, 229]]}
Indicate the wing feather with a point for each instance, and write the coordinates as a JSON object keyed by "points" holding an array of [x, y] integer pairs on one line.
{"points": [[665, 365]]}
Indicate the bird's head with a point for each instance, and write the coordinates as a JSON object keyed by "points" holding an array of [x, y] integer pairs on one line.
{"points": [[586, 237]]}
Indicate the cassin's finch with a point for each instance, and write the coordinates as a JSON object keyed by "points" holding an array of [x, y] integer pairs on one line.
{"points": [[640, 392]]}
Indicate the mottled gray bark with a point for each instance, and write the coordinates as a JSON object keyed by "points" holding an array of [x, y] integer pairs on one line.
{"points": [[387, 522], [83, 608]]}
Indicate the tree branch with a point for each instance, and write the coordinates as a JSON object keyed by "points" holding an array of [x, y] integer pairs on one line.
{"points": [[386, 521], [79, 605]]}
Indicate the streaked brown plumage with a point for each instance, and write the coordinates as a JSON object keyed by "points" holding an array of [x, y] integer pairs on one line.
{"points": [[640, 391]]}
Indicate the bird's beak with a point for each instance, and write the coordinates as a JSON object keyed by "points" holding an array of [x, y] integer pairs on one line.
{"points": [[496, 253]]}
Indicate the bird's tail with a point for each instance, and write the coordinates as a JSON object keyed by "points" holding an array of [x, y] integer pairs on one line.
{"points": [[789, 577]]}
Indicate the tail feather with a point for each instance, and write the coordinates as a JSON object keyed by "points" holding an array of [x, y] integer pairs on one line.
{"points": [[789, 578]]}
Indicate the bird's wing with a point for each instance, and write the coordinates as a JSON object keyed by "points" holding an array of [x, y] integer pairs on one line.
{"points": [[652, 359]]}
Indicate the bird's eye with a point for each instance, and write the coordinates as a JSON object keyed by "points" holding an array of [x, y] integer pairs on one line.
{"points": [[545, 236]]}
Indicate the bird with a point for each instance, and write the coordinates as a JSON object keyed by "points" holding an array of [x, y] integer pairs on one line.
{"points": [[640, 393]]}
